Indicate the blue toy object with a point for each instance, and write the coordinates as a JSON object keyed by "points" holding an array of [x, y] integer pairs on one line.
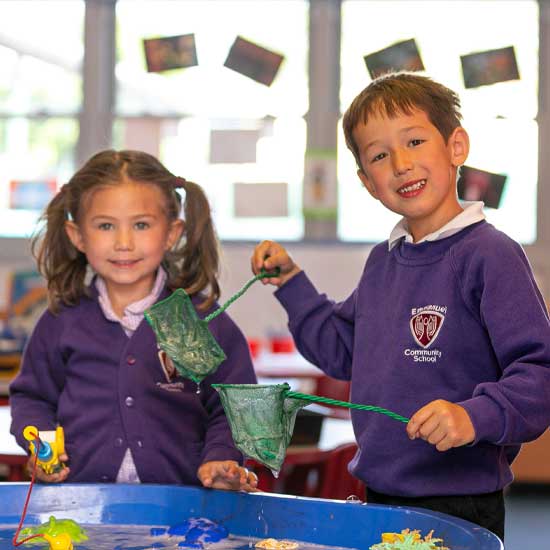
{"points": [[195, 531]]}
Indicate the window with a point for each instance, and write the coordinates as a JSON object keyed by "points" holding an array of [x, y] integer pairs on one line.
{"points": [[186, 110], [40, 97], [500, 118]]}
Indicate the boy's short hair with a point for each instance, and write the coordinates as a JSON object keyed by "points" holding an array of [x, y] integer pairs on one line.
{"points": [[402, 92]]}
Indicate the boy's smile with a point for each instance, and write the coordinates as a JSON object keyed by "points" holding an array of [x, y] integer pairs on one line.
{"points": [[412, 189], [409, 168]]}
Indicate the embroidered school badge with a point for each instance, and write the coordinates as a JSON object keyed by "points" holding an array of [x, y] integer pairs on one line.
{"points": [[168, 367], [425, 327]]}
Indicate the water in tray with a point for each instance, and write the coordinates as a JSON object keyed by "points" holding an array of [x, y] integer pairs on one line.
{"points": [[138, 537]]}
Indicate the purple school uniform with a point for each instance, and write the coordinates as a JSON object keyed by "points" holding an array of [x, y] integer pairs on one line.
{"points": [[110, 393], [459, 319]]}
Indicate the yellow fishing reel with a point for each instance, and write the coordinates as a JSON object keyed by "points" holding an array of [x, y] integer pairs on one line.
{"points": [[51, 446]]}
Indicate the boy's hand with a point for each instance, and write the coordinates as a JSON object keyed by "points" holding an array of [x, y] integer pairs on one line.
{"points": [[443, 424], [227, 474], [42, 476], [270, 255]]}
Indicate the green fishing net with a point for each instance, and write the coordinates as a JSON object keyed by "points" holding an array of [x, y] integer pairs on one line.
{"points": [[261, 418], [185, 337]]}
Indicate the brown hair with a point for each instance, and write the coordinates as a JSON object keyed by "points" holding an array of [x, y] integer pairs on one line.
{"points": [[402, 92], [193, 262]]}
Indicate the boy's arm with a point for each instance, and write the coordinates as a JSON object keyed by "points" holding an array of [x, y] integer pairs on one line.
{"points": [[516, 407], [443, 424], [270, 255], [323, 331]]}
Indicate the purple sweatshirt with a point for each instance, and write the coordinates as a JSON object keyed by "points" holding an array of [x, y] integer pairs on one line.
{"points": [[459, 319], [109, 393]]}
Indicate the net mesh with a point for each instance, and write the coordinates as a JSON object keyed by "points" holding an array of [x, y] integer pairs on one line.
{"points": [[185, 337], [261, 418]]}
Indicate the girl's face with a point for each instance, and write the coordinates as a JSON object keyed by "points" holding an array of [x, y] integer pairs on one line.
{"points": [[410, 169], [124, 233]]}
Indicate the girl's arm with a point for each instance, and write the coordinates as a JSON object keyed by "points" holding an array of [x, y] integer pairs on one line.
{"points": [[35, 390], [227, 474]]}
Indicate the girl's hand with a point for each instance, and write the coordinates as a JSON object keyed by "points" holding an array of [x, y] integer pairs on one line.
{"points": [[270, 255], [227, 474], [42, 476], [443, 424]]}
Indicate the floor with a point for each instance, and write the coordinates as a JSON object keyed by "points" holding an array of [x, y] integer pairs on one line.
{"points": [[527, 517]]}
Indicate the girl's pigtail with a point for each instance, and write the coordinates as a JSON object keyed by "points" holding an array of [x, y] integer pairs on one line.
{"points": [[62, 265], [200, 265]]}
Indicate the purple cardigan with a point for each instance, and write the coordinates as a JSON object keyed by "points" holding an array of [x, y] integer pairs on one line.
{"points": [[109, 393]]}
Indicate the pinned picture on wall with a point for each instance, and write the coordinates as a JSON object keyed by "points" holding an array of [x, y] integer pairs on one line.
{"points": [[402, 56], [489, 67], [479, 185], [233, 146], [256, 62], [170, 52], [320, 192], [260, 200], [31, 194]]}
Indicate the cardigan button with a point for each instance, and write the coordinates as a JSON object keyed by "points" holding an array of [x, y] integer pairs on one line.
{"points": [[131, 360], [129, 401], [118, 442]]}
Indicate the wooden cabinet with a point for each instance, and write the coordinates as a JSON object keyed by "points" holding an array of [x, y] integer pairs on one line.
{"points": [[533, 462], [9, 367]]}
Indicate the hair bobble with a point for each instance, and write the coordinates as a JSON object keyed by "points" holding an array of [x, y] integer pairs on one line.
{"points": [[179, 183]]}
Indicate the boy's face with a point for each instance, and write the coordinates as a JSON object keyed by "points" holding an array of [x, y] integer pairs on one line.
{"points": [[410, 169]]}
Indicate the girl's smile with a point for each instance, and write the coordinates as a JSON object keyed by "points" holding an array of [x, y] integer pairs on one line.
{"points": [[124, 264]]}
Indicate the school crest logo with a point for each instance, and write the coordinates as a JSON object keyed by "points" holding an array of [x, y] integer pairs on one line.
{"points": [[425, 327]]}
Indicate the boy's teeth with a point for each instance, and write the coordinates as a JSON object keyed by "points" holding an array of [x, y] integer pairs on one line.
{"points": [[413, 187]]}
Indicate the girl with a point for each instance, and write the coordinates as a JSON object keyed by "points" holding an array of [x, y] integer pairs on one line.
{"points": [[91, 364]]}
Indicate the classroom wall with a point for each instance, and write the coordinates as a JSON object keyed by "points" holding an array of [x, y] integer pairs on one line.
{"points": [[334, 268]]}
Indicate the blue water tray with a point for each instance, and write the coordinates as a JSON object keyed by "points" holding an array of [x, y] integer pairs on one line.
{"points": [[261, 515]]}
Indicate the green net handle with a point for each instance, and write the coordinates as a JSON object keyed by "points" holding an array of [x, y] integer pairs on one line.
{"points": [[329, 401], [262, 275]]}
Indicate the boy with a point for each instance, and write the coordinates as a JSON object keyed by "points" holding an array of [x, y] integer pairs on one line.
{"points": [[446, 326]]}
